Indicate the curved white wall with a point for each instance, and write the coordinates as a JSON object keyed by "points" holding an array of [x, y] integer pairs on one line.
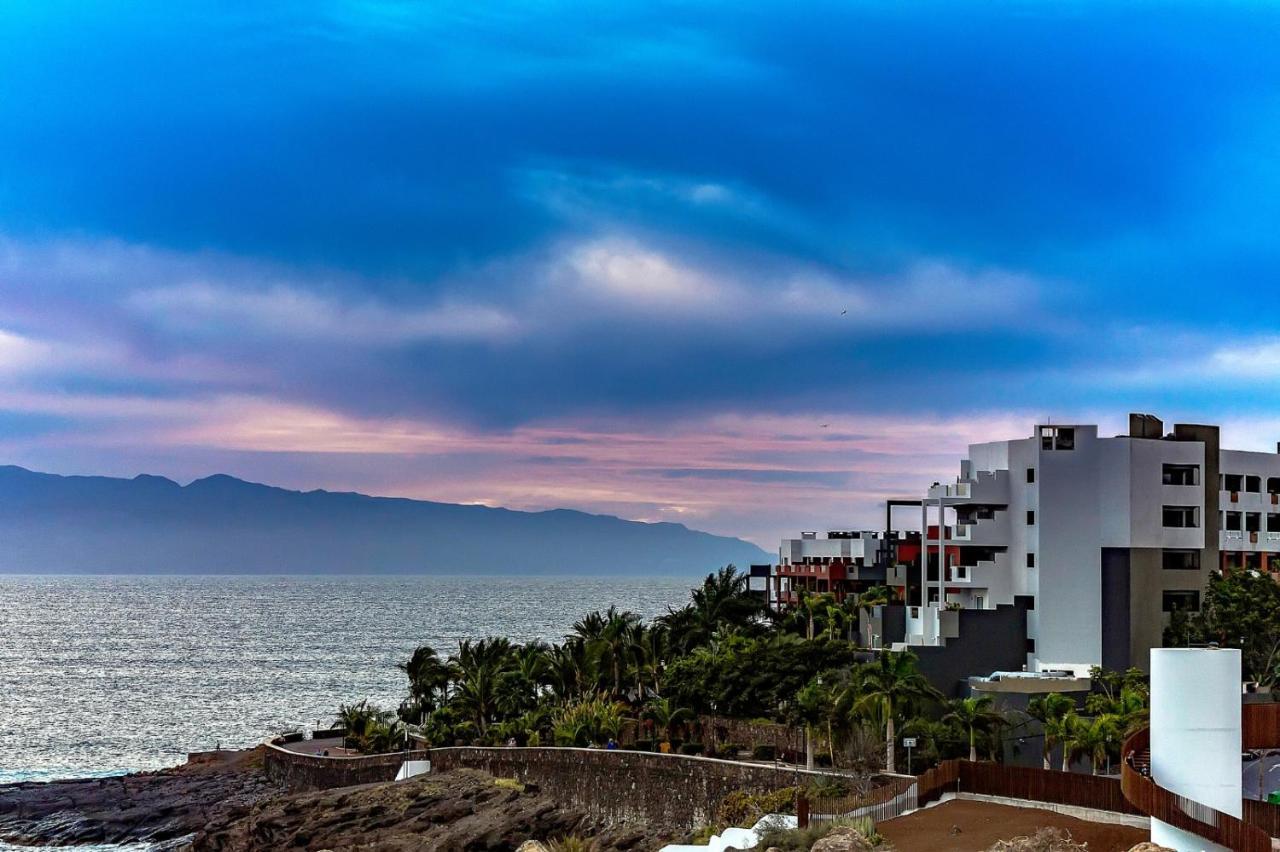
{"points": [[1195, 734]]}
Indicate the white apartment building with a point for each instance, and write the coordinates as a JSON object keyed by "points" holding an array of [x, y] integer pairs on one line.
{"points": [[1104, 536]]}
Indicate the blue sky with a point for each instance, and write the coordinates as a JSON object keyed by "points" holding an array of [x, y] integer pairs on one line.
{"points": [[631, 257]]}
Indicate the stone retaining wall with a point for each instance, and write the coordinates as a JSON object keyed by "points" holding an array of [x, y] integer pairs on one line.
{"points": [[718, 732], [616, 786], [314, 772]]}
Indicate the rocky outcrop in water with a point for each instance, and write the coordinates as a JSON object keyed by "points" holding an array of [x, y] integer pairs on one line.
{"points": [[164, 807]]}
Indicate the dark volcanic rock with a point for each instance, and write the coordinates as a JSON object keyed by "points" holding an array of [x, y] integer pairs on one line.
{"points": [[449, 812], [159, 807]]}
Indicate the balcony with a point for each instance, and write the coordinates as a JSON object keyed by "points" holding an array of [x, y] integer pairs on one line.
{"points": [[986, 532], [987, 488]]}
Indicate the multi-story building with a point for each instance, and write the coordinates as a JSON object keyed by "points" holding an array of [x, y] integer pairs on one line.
{"points": [[1104, 537], [843, 563], [1097, 539]]}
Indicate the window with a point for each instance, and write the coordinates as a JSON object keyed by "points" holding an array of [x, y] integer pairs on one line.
{"points": [[1180, 516], [1273, 484], [1031, 560], [1031, 518], [1253, 484], [1031, 646], [1180, 474], [1234, 521], [1182, 601], [1232, 482], [1057, 438], [1031, 475], [1253, 522], [1180, 560], [1273, 522]]}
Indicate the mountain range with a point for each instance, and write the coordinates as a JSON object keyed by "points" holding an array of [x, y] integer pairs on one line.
{"points": [[220, 524]]}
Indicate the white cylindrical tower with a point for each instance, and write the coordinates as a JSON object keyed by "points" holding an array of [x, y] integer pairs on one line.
{"points": [[1195, 734]]}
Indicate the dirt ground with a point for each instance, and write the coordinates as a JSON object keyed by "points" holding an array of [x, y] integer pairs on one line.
{"points": [[982, 824]]}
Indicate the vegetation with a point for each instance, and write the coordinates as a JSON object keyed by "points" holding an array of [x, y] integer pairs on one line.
{"points": [[746, 809], [1241, 609], [802, 839], [617, 677]]}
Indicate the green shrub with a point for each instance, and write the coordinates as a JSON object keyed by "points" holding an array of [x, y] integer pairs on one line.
{"points": [[802, 839], [745, 809], [691, 748], [764, 752], [732, 748], [827, 787]]}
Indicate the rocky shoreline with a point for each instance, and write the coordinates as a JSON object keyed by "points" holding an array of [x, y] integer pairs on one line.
{"points": [[230, 805], [164, 808]]}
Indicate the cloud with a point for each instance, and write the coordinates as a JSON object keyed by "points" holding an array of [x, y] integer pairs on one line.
{"points": [[1258, 359], [752, 474], [625, 272], [290, 312]]}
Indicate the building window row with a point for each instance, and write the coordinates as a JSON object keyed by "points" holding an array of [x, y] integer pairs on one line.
{"points": [[1250, 521], [1249, 484]]}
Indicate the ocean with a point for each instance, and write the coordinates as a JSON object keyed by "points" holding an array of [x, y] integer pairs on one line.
{"points": [[102, 675]]}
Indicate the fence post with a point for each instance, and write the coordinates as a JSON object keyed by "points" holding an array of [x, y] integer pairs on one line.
{"points": [[802, 811]]}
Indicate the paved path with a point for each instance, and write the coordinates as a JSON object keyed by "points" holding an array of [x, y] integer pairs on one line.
{"points": [[333, 745]]}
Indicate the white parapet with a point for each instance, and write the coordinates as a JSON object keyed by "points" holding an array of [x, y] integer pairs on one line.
{"points": [[1195, 734]]}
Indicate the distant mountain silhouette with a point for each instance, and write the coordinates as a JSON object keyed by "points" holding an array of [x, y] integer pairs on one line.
{"points": [[220, 524]]}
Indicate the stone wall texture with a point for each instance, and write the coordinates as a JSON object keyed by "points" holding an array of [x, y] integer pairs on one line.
{"points": [[311, 772], [718, 732], [618, 786]]}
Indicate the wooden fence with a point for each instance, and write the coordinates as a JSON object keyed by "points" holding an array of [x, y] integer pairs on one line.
{"points": [[884, 802], [1260, 725], [1263, 815], [1098, 792], [1179, 811], [989, 779], [943, 778]]}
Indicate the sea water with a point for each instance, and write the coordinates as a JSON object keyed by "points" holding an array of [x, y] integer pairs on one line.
{"points": [[110, 674]]}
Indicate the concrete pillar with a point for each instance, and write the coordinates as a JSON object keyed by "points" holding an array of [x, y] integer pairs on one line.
{"points": [[1195, 735]]}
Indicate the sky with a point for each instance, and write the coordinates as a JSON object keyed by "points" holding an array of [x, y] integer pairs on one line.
{"points": [[751, 267]]}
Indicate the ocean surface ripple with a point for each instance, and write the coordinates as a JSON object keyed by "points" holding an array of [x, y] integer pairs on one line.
{"points": [[102, 675]]}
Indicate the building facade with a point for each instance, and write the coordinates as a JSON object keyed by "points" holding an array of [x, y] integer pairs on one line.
{"points": [[1098, 538], [843, 563], [1106, 536]]}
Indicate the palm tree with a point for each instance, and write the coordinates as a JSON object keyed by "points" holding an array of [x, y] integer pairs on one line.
{"points": [[972, 715], [1091, 739], [480, 666], [650, 656], [616, 644], [891, 684], [665, 715], [1049, 710], [362, 721], [722, 601]]}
